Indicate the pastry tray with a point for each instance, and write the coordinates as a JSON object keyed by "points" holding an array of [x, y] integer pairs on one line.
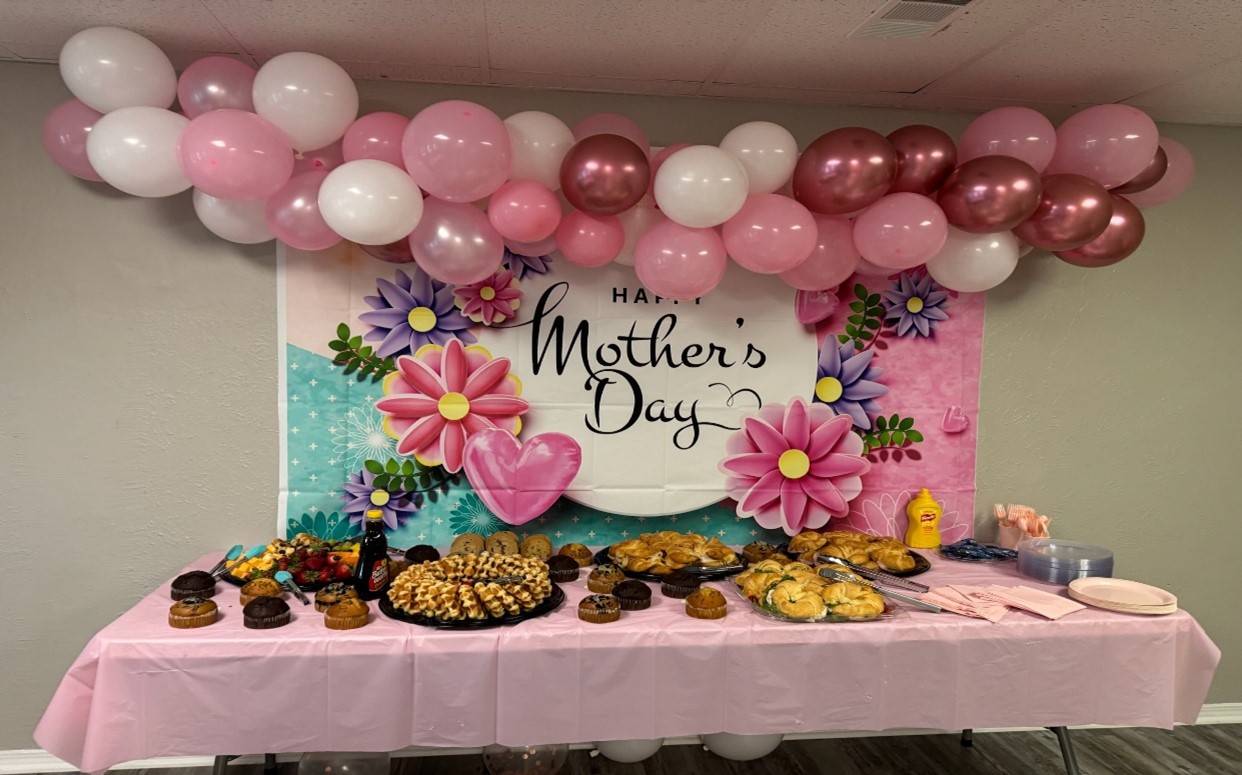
{"points": [[706, 574], [545, 607], [890, 612]]}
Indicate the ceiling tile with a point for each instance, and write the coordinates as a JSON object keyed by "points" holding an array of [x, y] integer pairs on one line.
{"points": [[7, 52], [1056, 112], [377, 71], [37, 30], [1206, 91], [804, 45], [592, 83], [1102, 52], [626, 39], [782, 94], [414, 32]]}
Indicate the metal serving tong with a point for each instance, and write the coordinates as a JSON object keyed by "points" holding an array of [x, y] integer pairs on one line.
{"points": [[836, 575], [875, 575]]}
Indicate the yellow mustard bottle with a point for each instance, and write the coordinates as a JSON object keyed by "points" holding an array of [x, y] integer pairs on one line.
{"points": [[924, 515]]}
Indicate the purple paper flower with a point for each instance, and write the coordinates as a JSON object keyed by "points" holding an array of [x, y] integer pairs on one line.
{"points": [[916, 305], [361, 495], [521, 266], [412, 312], [846, 381]]}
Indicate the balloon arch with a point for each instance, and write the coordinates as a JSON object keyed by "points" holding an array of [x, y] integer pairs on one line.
{"points": [[281, 153]]}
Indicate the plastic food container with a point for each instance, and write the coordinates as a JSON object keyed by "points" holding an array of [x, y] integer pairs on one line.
{"points": [[1057, 561]]}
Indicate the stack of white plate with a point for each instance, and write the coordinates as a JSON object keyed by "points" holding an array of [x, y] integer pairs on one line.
{"points": [[1128, 597]]}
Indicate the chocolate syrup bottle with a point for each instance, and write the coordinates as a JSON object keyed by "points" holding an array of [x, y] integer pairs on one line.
{"points": [[371, 575]]}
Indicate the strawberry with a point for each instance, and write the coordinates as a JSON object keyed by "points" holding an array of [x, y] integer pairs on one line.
{"points": [[299, 578], [343, 572], [315, 562]]}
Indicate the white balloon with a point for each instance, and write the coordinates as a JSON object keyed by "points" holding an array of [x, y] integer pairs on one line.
{"points": [[636, 221], [241, 222], [741, 748], [110, 68], [370, 202], [701, 186], [540, 142], [768, 152], [135, 149], [974, 262], [308, 96], [628, 751]]}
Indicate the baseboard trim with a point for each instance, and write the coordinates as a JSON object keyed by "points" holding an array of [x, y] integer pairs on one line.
{"points": [[35, 760]]}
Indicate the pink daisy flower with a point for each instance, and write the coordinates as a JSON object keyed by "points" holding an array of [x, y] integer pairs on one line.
{"points": [[440, 397], [490, 301], [794, 466]]}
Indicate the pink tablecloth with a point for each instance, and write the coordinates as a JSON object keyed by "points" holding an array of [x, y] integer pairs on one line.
{"points": [[141, 689]]}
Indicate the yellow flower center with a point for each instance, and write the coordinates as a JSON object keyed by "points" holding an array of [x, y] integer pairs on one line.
{"points": [[454, 406], [794, 464], [379, 497], [488, 293], [828, 389], [422, 319], [914, 305]]}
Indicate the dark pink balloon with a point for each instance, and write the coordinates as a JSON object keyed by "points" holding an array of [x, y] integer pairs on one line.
{"points": [[394, 252], [832, 261], [605, 175], [1122, 237], [232, 154], [524, 211], [1149, 177], [925, 157], [1177, 178], [215, 83], [64, 138], [611, 124], [376, 136], [589, 240], [844, 170], [323, 159], [679, 262], [1015, 131], [292, 214], [1072, 211], [541, 248], [991, 193]]}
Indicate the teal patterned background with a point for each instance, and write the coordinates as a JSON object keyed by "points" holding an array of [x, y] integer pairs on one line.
{"points": [[333, 428]]}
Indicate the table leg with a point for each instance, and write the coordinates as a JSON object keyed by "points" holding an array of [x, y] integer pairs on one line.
{"points": [[1067, 749], [269, 764], [968, 738], [219, 765]]}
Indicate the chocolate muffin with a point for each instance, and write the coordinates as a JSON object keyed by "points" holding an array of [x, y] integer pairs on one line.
{"points": [[266, 613], [562, 569], [679, 584], [196, 583], [633, 595], [421, 553]]}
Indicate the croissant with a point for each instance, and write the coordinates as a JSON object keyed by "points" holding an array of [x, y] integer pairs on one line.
{"points": [[805, 541], [790, 599], [894, 559]]}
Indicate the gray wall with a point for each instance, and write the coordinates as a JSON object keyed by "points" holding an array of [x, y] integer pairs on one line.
{"points": [[138, 407]]}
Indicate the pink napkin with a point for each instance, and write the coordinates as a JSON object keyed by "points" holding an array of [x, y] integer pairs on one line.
{"points": [[1045, 604], [955, 601]]}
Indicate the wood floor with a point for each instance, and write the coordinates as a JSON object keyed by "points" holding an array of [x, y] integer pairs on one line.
{"points": [[1197, 750]]}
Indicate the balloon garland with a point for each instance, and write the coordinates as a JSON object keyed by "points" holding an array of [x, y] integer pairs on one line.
{"points": [[281, 153]]}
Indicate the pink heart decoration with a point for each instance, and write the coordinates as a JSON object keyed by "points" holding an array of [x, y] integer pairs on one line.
{"points": [[811, 307], [954, 420], [520, 481]]}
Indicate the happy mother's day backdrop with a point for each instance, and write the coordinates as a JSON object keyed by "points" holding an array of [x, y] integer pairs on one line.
{"points": [[655, 392]]}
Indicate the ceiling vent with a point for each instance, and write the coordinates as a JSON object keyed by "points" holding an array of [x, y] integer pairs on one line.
{"points": [[910, 18]]}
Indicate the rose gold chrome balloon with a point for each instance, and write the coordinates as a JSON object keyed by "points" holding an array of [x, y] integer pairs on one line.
{"points": [[1073, 210], [925, 157], [991, 193], [605, 174], [844, 170], [1121, 238]]}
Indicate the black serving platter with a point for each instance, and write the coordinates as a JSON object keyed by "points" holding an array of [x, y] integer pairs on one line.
{"points": [[545, 607], [707, 574]]}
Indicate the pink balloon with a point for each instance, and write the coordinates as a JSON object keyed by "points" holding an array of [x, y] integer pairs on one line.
{"points": [[989, 194], [925, 157], [901, 231], [658, 160], [524, 211], [215, 83], [393, 253], [457, 151], [604, 174], [611, 124], [1176, 179], [292, 214], [832, 261], [232, 154], [543, 247], [1108, 143], [1012, 131], [844, 171], [589, 240], [770, 234], [64, 138], [323, 159], [1073, 210], [679, 262], [455, 243], [376, 136], [1122, 237], [519, 481]]}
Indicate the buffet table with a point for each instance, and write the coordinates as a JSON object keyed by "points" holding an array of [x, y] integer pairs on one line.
{"points": [[142, 689]]}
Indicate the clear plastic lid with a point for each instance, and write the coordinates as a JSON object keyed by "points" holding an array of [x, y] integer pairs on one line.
{"points": [[1062, 553]]}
